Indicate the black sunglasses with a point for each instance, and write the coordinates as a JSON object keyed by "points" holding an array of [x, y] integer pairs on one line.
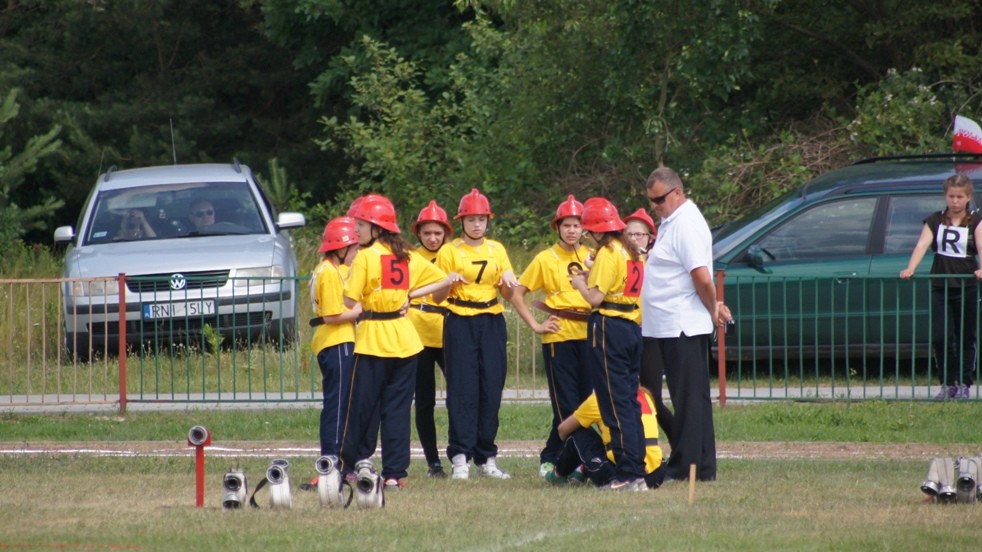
{"points": [[206, 212], [661, 199]]}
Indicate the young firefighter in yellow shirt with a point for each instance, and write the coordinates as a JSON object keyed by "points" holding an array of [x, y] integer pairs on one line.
{"points": [[432, 229], [613, 288], [565, 349], [474, 339], [334, 333], [385, 275], [585, 447]]}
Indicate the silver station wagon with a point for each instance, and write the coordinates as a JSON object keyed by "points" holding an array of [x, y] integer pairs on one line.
{"points": [[199, 246]]}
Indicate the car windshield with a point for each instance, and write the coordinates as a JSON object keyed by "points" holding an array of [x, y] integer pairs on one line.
{"points": [[161, 211]]}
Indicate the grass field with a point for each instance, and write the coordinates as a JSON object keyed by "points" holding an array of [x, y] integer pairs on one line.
{"points": [[809, 502]]}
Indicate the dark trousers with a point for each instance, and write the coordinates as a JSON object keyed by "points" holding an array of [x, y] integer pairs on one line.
{"points": [[953, 333], [615, 346], [474, 350], [568, 376], [426, 363], [384, 386], [652, 370], [686, 361], [335, 364], [584, 446]]}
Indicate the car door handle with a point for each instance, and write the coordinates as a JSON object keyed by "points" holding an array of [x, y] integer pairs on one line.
{"points": [[843, 278]]}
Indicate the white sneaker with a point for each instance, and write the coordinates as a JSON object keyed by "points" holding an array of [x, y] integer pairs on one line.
{"points": [[545, 468], [490, 469], [460, 468]]}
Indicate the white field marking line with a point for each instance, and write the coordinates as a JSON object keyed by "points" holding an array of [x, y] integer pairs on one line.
{"points": [[541, 536]]}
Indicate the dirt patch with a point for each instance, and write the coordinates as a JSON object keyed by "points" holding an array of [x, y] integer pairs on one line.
{"points": [[516, 449]]}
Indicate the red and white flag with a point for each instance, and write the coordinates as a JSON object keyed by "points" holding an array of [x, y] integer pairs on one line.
{"points": [[967, 136]]}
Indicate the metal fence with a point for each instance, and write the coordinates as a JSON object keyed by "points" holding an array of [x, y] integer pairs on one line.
{"points": [[796, 338]]}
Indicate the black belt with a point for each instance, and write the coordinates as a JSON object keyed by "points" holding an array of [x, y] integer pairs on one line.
{"points": [[472, 304], [622, 307], [377, 315], [423, 307]]}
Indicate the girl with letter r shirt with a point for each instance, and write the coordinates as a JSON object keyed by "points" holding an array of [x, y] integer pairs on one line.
{"points": [[953, 235]]}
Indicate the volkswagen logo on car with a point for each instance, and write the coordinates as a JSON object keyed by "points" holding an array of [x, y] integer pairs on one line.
{"points": [[178, 282]]}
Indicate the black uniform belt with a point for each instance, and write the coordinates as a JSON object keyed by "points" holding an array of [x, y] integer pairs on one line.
{"points": [[622, 307], [377, 315], [472, 304], [423, 307]]}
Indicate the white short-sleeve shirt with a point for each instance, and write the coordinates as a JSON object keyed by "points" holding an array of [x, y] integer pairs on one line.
{"points": [[669, 302]]}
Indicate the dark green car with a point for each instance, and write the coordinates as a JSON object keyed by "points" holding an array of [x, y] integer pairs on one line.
{"points": [[816, 272]]}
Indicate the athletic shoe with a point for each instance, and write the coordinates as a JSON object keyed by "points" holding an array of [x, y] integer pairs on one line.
{"points": [[930, 488], [555, 478], [491, 469], [619, 485], [436, 470], [964, 392], [545, 468], [394, 483], [640, 485], [948, 392], [460, 468], [577, 477]]}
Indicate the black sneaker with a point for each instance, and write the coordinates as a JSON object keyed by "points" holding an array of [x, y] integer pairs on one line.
{"points": [[436, 470]]}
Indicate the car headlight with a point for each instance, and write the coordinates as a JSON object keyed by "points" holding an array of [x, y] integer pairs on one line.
{"points": [[257, 276], [94, 288]]}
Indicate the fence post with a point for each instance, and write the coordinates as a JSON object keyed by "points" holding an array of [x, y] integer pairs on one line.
{"points": [[122, 343], [721, 340]]}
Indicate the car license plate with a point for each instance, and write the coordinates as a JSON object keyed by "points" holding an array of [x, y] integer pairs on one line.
{"points": [[181, 309]]}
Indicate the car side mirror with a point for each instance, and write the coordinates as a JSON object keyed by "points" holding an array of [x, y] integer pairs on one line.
{"points": [[290, 220], [64, 234], [756, 254]]}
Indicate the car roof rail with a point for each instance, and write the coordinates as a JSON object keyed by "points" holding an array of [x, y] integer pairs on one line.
{"points": [[920, 157], [109, 173], [236, 166]]}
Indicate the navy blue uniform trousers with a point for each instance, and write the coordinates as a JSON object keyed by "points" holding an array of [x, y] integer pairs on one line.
{"points": [[474, 349], [568, 376], [426, 363], [335, 364], [381, 394], [615, 344]]}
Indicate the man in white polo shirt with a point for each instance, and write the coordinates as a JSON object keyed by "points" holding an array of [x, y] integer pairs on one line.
{"points": [[679, 310]]}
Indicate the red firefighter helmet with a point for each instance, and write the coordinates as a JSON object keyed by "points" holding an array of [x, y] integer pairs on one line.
{"points": [[474, 203], [566, 209], [600, 215], [376, 209], [433, 213], [642, 216], [339, 232]]}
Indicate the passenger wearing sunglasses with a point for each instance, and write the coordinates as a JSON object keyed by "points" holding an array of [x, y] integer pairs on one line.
{"points": [[202, 214]]}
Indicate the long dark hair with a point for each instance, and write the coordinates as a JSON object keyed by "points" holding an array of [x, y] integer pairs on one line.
{"points": [[632, 249], [398, 244]]}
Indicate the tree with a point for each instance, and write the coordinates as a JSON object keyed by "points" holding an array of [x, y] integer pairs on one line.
{"points": [[15, 220]]}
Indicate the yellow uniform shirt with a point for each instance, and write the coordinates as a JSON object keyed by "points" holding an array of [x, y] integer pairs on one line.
{"points": [[326, 298], [481, 266], [381, 283], [429, 325], [550, 271], [619, 279], [588, 414]]}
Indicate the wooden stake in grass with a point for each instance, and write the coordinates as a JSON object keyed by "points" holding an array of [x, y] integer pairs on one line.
{"points": [[692, 483]]}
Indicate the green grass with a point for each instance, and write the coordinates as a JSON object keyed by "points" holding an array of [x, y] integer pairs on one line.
{"points": [[80, 501]]}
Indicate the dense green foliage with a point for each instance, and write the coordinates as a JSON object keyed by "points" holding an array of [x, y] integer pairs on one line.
{"points": [[528, 101]]}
